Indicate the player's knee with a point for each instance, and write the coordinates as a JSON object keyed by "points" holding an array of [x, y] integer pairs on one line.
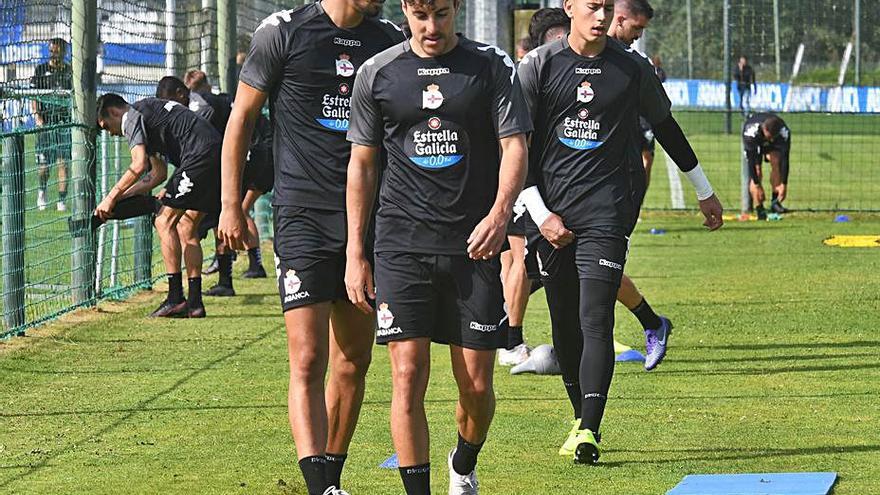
{"points": [[476, 391], [409, 377], [307, 367], [352, 366]]}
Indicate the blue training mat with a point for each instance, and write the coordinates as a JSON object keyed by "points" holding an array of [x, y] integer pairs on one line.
{"points": [[756, 484], [630, 355]]}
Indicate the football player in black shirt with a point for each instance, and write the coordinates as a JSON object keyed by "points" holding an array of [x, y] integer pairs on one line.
{"points": [[157, 128], [585, 93], [53, 146], [767, 137], [303, 61], [258, 175], [449, 113]]}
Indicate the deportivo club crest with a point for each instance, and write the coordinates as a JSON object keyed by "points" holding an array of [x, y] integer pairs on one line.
{"points": [[432, 98], [384, 317], [292, 283], [585, 92], [344, 67]]}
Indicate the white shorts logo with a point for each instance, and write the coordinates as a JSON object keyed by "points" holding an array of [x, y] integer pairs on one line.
{"points": [[483, 328], [610, 264], [184, 186], [277, 267], [384, 317], [292, 283], [519, 208]]}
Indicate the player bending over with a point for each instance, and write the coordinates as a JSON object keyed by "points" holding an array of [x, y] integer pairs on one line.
{"points": [[767, 137], [450, 114], [155, 127], [304, 62]]}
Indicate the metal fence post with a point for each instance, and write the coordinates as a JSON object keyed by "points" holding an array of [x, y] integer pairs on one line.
{"points": [[857, 34], [13, 232], [690, 38], [84, 29], [226, 44], [491, 22], [776, 40], [208, 60], [727, 69]]}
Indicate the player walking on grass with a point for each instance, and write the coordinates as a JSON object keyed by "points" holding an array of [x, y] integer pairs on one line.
{"points": [[304, 61], [157, 128], [767, 137], [53, 145], [585, 93], [450, 114]]}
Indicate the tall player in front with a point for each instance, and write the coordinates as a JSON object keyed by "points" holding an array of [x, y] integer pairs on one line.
{"points": [[450, 114], [304, 62]]}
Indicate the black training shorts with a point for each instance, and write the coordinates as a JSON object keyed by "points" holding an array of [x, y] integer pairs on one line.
{"points": [[449, 299], [195, 185]]}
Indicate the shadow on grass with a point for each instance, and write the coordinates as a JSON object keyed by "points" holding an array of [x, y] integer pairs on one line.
{"points": [[725, 453], [130, 412], [803, 345]]}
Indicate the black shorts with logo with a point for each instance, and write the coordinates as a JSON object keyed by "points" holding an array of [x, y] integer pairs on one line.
{"points": [[597, 253], [450, 299], [195, 186], [310, 255]]}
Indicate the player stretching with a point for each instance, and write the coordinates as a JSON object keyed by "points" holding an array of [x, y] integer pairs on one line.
{"points": [[585, 93], [450, 114], [767, 137], [304, 62], [156, 127]]}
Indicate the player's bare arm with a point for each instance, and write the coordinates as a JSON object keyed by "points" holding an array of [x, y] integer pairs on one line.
{"points": [[232, 227], [359, 193], [140, 163], [488, 236]]}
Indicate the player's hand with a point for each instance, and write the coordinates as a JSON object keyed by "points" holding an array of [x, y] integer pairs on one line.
{"points": [[555, 231], [488, 237], [712, 210], [105, 209], [232, 228], [781, 191], [359, 283]]}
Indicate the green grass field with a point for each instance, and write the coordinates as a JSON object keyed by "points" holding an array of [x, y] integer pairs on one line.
{"points": [[773, 367]]}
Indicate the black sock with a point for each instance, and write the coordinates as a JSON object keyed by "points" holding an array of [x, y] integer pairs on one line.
{"points": [[647, 317], [514, 337], [44, 184], [224, 262], [574, 396], [255, 258], [175, 288], [195, 292], [593, 407], [598, 298], [416, 479], [465, 458], [314, 472], [335, 462], [775, 197], [62, 195]]}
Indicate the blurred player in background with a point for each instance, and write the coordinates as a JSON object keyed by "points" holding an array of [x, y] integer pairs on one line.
{"points": [[744, 76], [157, 128], [53, 146], [304, 61], [766, 137]]}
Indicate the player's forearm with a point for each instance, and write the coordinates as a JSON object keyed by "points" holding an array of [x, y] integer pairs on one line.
{"points": [[139, 165], [157, 174], [360, 190], [239, 130], [676, 145], [512, 173]]}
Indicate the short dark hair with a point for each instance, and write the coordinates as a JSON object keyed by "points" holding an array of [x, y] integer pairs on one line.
{"points": [[428, 2], [773, 125], [637, 7], [544, 20], [244, 43], [169, 86], [109, 100], [525, 43], [59, 42]]}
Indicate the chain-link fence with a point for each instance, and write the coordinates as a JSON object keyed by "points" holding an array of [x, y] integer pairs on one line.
{"points": [[54, 171]]}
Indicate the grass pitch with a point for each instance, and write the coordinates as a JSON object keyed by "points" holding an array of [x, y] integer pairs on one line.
{"points": [[773, 367]]}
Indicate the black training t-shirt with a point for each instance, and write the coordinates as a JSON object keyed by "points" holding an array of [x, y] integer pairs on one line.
{"points": [[306, 64], [585, 111], [170, 129], [439, 120], [755, 145], [54, 109]]}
